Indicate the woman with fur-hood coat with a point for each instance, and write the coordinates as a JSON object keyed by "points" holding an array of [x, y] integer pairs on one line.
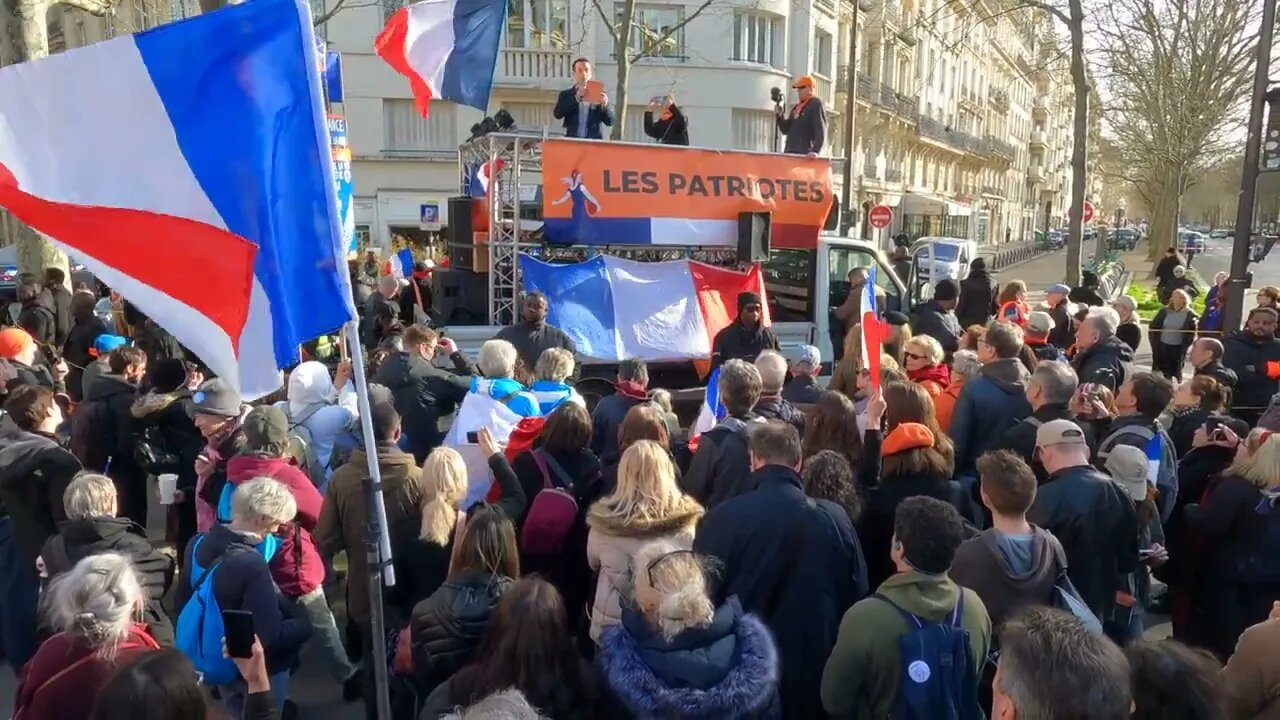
{"points": [[675, 655], [646, 505]]}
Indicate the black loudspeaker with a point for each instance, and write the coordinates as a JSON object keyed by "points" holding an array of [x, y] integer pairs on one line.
{"points": [[459, 237], [459, 297], [754, 230], [833, 216]]}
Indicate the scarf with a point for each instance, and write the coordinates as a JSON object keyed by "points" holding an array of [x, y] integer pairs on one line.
{"points": [[206, 514], [940, 374], [632, 389], [799, 107]]}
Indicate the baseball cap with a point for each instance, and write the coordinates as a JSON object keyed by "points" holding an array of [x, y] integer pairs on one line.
{"points": [[13, 342], [1040, 323], [1059, 288], [266, 427], [1128, 466], [803, 81], [1059, 432], [104, 344], [808, 355]]}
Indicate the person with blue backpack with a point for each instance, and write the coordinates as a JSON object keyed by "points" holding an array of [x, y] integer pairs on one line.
{"points": [[913, 650], [227, 569]]}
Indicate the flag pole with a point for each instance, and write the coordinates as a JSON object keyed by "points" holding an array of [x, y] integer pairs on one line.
{"points": [[377, 542]]}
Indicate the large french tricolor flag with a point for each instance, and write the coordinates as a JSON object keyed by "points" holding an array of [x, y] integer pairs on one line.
{"points": [[446, 48], [615, 308], [189, 168]]}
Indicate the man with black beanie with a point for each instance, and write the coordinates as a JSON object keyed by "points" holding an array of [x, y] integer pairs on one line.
{"points": [[937, 318], [746, 336]]}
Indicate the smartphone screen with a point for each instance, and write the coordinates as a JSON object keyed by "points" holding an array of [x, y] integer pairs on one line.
{"points": [[237, 627], [473, 437]]}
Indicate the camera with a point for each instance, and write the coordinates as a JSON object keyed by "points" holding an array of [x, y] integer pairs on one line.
{"points": [[776, 95]]}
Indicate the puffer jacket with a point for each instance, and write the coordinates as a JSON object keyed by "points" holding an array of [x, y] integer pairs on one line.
{"points": [[1106, 363], [79, 539], [773, 407], [978, 294], [721, 468], [988, 406], [612, 544], [446, 628], [728, 669]]}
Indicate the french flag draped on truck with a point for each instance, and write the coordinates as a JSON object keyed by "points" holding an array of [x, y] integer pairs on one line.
{"points": [[615, 308], [188, 167], [446, 48]]}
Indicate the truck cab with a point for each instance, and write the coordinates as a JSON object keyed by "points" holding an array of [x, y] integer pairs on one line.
{"points": [[806, 286]]}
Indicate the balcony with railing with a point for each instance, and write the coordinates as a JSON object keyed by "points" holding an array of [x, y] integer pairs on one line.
{"points": [[992, 191], [999, 99], [996, 147], [533, 67], [1040, 105], [866, 88], [1039, 139], [935, 130], [822, 87]]}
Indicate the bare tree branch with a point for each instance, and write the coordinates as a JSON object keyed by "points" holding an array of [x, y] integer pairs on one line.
{"points": [[328, 14]]}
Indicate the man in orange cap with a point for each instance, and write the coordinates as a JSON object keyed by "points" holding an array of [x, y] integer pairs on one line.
{"points": [[806, 124], [20, 349]]}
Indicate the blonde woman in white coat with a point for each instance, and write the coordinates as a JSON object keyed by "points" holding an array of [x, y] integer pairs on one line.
{"points": [[646, 505]]}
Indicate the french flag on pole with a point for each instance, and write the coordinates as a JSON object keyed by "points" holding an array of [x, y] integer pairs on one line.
{"points": [[446, 48], [200, 184], [873, 333]]}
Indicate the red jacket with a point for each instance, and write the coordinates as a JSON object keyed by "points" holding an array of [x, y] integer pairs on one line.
{"points": [[63, 678], [296, 567]]}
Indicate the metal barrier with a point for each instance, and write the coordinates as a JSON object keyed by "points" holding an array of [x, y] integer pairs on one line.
{"points": [[1002, 256]]}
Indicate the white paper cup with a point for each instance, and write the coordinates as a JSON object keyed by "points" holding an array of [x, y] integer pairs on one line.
{"points": [[168, 488]]}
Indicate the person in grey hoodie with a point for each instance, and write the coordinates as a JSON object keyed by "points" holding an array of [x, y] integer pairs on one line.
{"points": [[994, 401], [1014, 565]]}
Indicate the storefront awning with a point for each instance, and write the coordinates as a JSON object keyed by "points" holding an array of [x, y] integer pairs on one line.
{"points": [[924, 204]]}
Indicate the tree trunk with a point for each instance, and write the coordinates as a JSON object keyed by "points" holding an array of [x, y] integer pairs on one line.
{"points": [[622, 52], [1164, 218], [1079, 148], [34, 252]]}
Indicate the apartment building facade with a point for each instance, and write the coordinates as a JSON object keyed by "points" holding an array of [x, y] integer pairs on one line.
{"points": [[962, 121]]}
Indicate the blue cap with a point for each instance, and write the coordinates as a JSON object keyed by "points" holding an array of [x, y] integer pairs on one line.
{"points": [[104, 344], [1059, 288]]}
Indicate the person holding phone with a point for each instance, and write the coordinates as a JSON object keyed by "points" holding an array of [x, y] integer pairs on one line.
{"points": [[671, 127], [584, 107]]}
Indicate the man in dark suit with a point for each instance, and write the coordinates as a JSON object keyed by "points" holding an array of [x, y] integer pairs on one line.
{"points": [[582, 119]]}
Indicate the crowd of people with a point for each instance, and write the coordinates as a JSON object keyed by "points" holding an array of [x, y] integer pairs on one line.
{"points": [[972, 532]]}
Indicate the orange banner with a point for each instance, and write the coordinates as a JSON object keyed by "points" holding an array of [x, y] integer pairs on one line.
{"points": [[620, 194]]}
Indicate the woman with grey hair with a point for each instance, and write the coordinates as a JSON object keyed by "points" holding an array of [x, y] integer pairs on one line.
{"points": [[94, 607], [235, 557], [92, 528], [964, 367], [555, 367]]}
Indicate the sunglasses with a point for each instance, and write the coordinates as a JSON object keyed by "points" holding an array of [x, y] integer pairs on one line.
{"points": [[915, 356], [658, 561]]}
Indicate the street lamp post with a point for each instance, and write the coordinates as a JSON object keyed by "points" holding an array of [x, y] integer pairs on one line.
{"points": [[1249, 176]]}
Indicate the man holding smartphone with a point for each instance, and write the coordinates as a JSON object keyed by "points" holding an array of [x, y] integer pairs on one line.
{"points": [[806, 124], [584, 106], [671, 127]]}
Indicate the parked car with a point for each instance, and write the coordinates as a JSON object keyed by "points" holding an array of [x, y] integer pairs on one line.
{"points": [[1219, 234], [9, 282], [1125, 239]]}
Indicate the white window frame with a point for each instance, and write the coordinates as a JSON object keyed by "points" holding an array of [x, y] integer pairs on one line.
{"points": [[759, 38], [823, 42], [673, 48], [536, 33]]}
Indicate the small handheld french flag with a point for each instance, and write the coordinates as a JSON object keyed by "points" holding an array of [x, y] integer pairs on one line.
{"points": [[872, 333], [1155, 448]]}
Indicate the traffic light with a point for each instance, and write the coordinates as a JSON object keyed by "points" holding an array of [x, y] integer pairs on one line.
{"points": [[1271, 136]]}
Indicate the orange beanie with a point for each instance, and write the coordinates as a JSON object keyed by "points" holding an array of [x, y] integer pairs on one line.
{"points": [[907, 436], [13, 342]]}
